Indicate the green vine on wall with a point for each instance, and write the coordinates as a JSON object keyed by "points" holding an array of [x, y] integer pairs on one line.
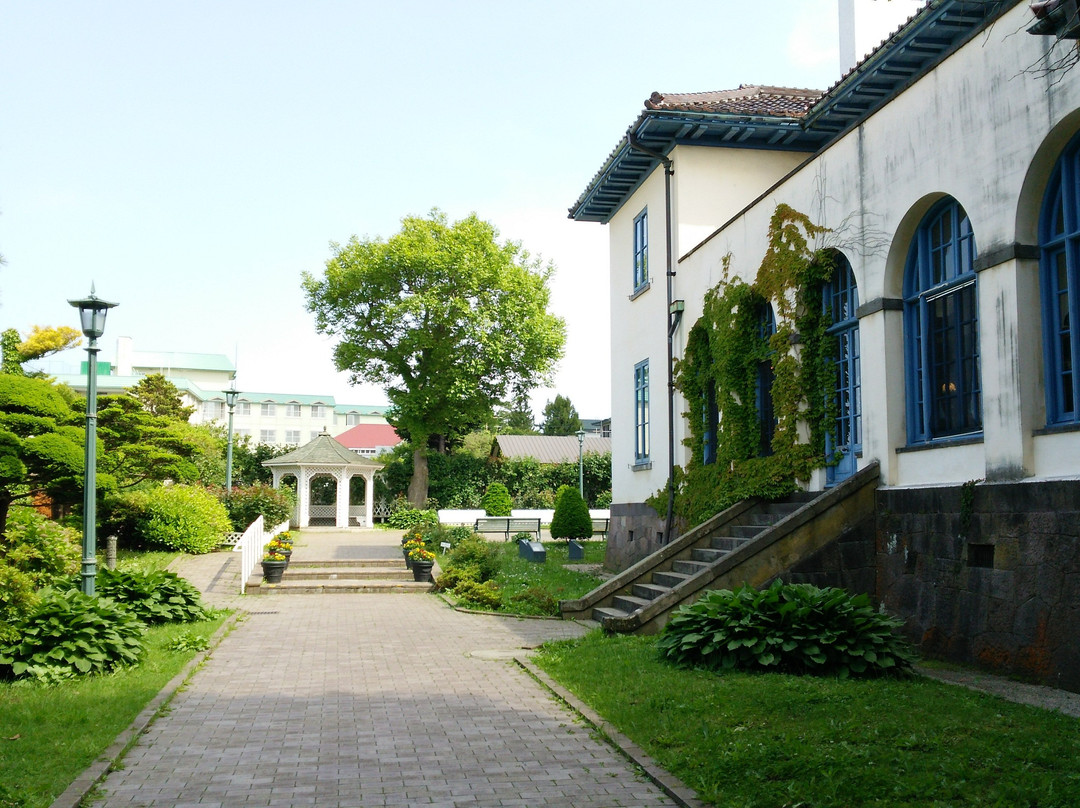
{"points": [[720, 368]]}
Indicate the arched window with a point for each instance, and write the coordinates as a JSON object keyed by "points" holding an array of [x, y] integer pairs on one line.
{"points": [[941, 328], [1059, 240], [763, 388], [840, 299]]}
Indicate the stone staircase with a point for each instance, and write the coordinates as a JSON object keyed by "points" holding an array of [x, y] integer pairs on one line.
{"points": [[341, 576], [751, 542]]}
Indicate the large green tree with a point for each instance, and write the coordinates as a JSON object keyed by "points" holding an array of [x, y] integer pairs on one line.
{"points": [[560, 417], [448, 319], [159, 396], [41, 444]]}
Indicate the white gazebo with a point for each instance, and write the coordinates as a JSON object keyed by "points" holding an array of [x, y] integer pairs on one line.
{"points": [[324, 456]]}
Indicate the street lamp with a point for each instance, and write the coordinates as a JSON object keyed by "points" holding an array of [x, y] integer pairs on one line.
{"points": [[580, 462], [92, 311], [230, 399]]}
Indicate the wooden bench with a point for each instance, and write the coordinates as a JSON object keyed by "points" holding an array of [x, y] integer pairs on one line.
{"points": [[600, 526], [507, 525]]}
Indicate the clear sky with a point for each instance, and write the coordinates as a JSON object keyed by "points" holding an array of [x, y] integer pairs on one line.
{"points": [[192, 159]]}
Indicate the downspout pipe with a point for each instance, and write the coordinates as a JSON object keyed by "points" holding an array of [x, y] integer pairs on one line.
{"points": [[672, 324]]}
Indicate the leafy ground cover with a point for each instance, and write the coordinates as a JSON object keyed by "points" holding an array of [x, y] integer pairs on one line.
{"points": [[768, 740], [49, 734], [530, 588]]}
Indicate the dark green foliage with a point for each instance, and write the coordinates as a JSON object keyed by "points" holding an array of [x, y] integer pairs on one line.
{"points": [[184, 518], [496, 500], [534, 600], [476, 552], [792, 628], [158, 396], [484, 595], [248, 458], [246, 504], [153, 597], [121, 514], [457, 534], [454, 576], [45, 551], [141, 446], [404, 516], [571, 519], [70, 634], [560, 417]]}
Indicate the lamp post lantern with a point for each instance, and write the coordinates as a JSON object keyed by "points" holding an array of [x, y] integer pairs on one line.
{"points": [[230, 399], [92, 311], [580, 462]]}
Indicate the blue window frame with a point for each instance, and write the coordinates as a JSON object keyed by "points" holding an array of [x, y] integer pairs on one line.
{"points": [[1059, 242], [840, 299], [711, 422], [641, 250], [763, 388], [641, 412], [941, 328]]}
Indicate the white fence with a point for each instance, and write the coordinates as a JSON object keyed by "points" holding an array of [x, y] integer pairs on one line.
{"points": [[545, 515], [251, 546]]}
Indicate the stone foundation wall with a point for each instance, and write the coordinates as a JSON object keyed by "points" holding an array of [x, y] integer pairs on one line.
{"points": [[986, 574], [849, 563], [635, 531]]}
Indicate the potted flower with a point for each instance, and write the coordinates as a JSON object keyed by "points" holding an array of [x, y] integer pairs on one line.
{"points": [[407, 548], [273, 565], [422, 562], [280, 547]]}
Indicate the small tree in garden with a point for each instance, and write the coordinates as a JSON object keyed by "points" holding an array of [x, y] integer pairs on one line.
{"points": [[496, 500], [571, 520]]}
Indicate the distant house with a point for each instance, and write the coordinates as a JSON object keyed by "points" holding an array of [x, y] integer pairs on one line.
{"points": [[369, 440], [547, 449]]}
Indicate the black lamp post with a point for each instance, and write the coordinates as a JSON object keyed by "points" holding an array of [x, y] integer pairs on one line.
{"points": [[92, 311], [230, 399]]}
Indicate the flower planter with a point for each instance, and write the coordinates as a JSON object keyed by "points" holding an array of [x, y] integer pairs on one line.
{"points": [[272, 571], [421, 570]]}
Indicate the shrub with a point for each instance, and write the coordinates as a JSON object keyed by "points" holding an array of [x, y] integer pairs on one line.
{"points": [[535, 600], [154, 597], [482, 595], [476, 552], [603, 499], [122, 515], [405, 516], [457, 534], [45, 551], [496, 500], [451, 577], [185, 518], [245, 505], [571, 519], [71, 633], [18, 598], [793, 628]]}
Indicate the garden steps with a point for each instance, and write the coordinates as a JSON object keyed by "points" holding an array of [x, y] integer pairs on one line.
{"points": [[751, 542], [366, 575]]}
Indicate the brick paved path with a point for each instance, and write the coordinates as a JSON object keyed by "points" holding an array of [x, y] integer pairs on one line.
{"points": [[371, 700]]}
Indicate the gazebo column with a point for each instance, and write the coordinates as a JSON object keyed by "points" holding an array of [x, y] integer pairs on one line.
{"points": [[303, 484], [369, 500], [342, 477]]}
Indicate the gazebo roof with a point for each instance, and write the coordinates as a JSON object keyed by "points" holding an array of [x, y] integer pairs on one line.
{"points": [[322, 451]]}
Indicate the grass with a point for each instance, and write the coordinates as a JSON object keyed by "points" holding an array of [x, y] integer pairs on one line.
{"points": [[49, 734], [770, 740], [530, 588]]}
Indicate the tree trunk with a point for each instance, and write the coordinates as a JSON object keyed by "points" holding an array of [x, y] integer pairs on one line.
{"points": [[418, 485]]}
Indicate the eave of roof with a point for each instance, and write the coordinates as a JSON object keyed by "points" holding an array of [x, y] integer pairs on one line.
{"points": [[712, 119], [322, 451]]}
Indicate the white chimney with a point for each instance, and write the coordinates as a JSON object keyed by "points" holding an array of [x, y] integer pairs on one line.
{"points": [[846, 12]]}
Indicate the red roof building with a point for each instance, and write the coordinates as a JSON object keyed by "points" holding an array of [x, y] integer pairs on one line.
{"points": [[369, 440]]}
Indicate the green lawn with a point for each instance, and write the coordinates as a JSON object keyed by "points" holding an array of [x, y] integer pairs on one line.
{"points": [[770, 740], [531, 588]]}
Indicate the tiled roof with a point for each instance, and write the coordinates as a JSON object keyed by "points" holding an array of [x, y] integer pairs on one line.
{"points": [[369, 436], [323, 451], [550, 448], [785, 102]]}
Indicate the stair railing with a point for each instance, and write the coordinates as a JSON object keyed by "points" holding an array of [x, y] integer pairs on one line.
{"points": [[251, 546]]}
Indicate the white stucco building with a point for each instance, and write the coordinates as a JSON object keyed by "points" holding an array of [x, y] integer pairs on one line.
{"points": [[946, 164]]}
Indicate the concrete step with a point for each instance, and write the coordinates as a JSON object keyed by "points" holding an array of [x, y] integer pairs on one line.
{"points": [[649, 591], [708, 555], [339, 586], [399, 573], [669, 579], [600, 612], [628, 603], [745, 531], [689, 567], [382, 563], [727, 543]]}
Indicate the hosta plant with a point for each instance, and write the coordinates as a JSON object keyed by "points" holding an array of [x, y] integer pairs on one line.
{"points": [[70, 632], [793, 628], [154, 597]]}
